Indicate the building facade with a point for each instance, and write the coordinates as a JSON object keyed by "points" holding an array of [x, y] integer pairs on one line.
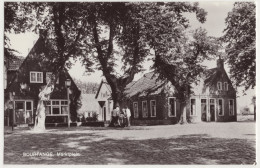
{"points": [[153, 101], [27, 78], [103, 97]]}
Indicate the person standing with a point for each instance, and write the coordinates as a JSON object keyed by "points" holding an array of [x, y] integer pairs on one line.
{"points": [[121, 117], [113, 118], [117, 111], [128, 115]]}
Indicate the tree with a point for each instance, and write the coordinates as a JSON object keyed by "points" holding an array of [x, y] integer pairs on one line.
{"points": [[240, 35], [86, 87], [62, 34], [11, 23], [108, 32], [136, 29], [182, 66]]}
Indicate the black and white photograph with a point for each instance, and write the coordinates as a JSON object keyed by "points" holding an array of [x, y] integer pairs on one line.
{"points": [[129, 83]]}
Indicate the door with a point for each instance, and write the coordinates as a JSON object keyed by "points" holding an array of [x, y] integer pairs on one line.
{"points": [[19, 112], [23, 112], [29, 112], [102, 104], [212, 110], [204, 109], [104, 111]]}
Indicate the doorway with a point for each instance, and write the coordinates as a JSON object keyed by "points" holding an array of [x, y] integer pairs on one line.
{"points": [[204, 109], [23, 112], [104, 111], [212, 109]]}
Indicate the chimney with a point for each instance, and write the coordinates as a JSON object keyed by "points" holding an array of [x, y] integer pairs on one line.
{"points": [[220, 63]]}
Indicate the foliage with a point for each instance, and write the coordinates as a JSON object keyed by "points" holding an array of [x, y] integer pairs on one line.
{"points": [[136, 28], [11, 23], [62, 29], [182, 66], [86, 87], [240, 35], [94, 117], [106, 33], [245, 110]]}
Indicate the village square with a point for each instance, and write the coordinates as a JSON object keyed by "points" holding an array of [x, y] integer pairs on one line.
{"points": [[129, 83]]}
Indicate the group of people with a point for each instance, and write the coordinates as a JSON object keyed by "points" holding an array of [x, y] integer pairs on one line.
{"points": [[120, 118]]}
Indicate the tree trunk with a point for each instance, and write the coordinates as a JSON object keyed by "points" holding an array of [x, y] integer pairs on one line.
{"points": [[183, 117], [117, 99], [44, 95], [40, 117]]}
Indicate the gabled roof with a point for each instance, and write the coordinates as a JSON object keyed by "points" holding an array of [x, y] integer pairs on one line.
{"points": [[149, 84], [34, 58], [15, 63], [106, 85]]}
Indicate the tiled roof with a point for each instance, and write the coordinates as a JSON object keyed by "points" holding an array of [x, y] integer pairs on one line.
{"points": [[149, 84], [15, 63]]}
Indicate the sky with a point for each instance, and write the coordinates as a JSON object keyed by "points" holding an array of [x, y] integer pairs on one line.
{"points": [[215, 24]]}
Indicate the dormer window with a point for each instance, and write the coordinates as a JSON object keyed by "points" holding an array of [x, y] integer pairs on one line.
{"points": [[219, 85], [225, 86], [36, 77]]}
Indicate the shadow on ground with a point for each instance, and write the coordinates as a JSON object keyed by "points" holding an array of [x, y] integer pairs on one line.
{"points": [[96, 149]]}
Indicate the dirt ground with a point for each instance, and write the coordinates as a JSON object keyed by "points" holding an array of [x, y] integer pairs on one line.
{"points": [[203, 143]]}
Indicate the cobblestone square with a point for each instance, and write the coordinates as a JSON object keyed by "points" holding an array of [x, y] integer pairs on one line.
{"points": [[204, 143]]}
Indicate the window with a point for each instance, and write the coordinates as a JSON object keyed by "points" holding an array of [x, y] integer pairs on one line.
{"points": [[219, 85], [135, 107], [36, 77], [172, 107], [192, 107], [57, 107], [19, 105], [49, 75], [225, 86], [29, 105], [220, 107], [153, 108], [231, 107], [144, 109]]}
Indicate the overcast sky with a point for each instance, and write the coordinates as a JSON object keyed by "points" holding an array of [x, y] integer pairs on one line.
{"points": [[217, 12]]}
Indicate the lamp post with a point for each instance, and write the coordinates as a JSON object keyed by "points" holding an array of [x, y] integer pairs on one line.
{"points": [[68, 84]]}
